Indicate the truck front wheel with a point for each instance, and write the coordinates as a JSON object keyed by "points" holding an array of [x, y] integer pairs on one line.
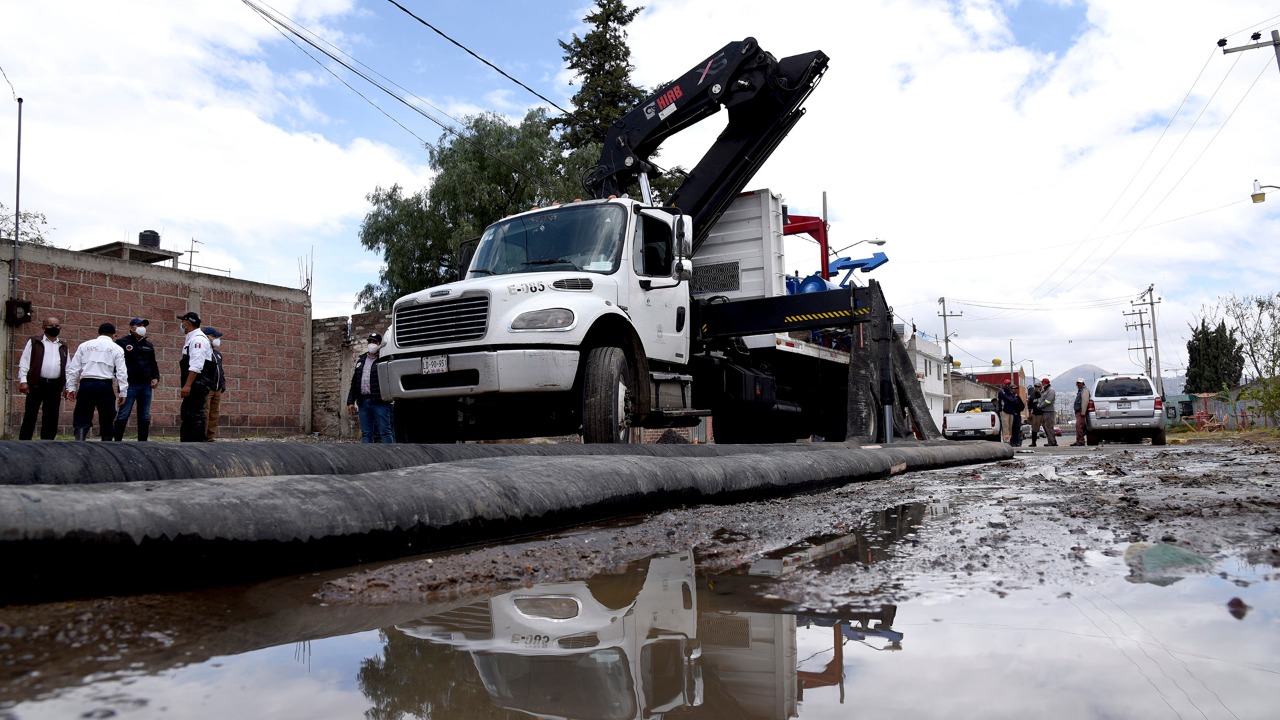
{"points": [[606, 397]]}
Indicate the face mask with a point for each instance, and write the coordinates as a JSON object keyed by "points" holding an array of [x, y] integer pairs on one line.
{"points": [[140, 331], [52, 332], [372, 348], [217, 342]]}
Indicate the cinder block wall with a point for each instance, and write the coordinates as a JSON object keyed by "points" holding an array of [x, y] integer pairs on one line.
{"points": [[266, 346], [336, 343]]}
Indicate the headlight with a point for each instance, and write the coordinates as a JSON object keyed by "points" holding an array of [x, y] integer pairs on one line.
{"points": [[549, 319]]}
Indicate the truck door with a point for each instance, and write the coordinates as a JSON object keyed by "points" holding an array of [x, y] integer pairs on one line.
{"points": [[657, 301]]}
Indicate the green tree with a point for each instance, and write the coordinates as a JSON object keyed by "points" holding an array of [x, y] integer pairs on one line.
{"points": [[601, 61], [1214, 359], [488, 170], [32, 224]]}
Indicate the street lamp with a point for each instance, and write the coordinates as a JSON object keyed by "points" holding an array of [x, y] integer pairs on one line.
{"points": [[1258, 195]]}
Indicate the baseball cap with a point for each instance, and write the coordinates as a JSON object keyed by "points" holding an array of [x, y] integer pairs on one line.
{"points": [[139, 321], [212, 331], [1080, 380], [106, 328], [1044, 381], [375, 338], [190, 317]]}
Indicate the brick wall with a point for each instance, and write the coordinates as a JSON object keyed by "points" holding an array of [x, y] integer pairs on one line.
{"points": [[336, 344], [266, 346]]}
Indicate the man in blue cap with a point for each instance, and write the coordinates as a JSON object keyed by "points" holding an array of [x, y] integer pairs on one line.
{"points": [[215, 393], [144, 376]]}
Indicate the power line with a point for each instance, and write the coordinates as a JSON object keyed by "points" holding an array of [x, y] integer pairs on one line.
{"points": [[1179, 180], [282, 26], [1136, 172], [499, 70]]}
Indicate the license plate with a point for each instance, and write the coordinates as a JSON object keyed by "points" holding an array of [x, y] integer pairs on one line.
{"points": [[1123, 405], [435, 364]]}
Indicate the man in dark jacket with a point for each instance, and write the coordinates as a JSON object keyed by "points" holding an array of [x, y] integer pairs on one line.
{"points": [[144, 376], [42, 377], [366, 396], [1011, 412]]}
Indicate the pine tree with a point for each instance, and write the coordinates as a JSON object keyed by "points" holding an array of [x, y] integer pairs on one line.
{"points": [[601, 60], [1214, 359]]}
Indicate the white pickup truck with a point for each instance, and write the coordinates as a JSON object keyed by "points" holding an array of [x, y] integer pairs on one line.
{"points": [[975, 418]]}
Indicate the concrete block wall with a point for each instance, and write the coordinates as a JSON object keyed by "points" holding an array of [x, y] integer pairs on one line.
{"points": [[266, 346], [336, 344]]}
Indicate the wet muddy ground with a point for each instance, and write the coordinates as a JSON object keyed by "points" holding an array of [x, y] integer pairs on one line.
{"points": [[1052, 528], [1024, 522]]}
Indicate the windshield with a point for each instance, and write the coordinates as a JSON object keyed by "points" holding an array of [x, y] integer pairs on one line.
{"points": [[595, 684], [585, 238]]}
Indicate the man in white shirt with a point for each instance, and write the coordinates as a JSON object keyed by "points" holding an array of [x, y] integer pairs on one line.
{"points": [[42, 377], [199, 374], [89, 376]]}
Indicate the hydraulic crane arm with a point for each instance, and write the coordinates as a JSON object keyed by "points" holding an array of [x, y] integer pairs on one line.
{"points": [[764, 98]]}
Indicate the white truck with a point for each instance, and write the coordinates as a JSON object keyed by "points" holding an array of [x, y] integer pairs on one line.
{"points": [[973, 419], [606, 315]]}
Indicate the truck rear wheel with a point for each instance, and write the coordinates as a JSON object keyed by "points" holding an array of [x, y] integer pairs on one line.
{"points": [[606, 397]]}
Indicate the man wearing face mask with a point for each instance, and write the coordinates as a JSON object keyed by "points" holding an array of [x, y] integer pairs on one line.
{"points": [[375, 413], [199, 375], [215, 392], [144, 375], [42, 377]]}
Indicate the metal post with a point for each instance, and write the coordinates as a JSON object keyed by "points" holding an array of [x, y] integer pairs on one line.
{"points": [[17, 215], [946, 340]]}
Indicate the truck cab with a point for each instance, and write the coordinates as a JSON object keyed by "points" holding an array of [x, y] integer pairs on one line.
{"points": [[571, 650], [556, 301]]}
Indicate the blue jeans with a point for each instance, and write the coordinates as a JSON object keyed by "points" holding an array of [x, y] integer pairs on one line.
{"points": [[375, 421], [141, 393]]}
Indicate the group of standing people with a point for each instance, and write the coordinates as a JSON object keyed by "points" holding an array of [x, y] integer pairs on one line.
{"points": [[1040, 407], [111, 377]]}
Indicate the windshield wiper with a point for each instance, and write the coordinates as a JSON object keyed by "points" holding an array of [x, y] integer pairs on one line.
{"points": [[555, 261], [480, 271]]}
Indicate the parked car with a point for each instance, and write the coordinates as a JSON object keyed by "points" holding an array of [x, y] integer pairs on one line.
{"points": [[1124, 408]]}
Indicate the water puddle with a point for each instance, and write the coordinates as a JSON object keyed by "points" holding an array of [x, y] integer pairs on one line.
{"points": [[663, 637]]}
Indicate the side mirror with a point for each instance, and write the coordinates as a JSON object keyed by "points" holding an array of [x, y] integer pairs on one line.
{"points": [[683, 247], [683, 274]]}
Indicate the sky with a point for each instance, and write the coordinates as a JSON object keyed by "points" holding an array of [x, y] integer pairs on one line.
{"points": [[1037, 163]]}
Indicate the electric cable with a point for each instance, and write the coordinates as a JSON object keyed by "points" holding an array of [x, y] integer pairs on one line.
{"points": [[1178, 182], [281, 27], [1136, 172], [497, 69]]}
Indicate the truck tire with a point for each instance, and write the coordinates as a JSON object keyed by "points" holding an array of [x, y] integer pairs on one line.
{"points": [[606, 397], [1159, 438], [426, 421]]}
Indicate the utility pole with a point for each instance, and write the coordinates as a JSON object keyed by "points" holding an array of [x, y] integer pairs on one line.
{"points": [[1158, 376], [192, 253], [1142, 327], [1275, 43], [946, 340]]}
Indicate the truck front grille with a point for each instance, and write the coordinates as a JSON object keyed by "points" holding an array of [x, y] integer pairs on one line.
{"points": [[466, 318]]}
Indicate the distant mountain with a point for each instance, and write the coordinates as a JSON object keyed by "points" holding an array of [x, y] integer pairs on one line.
{"points": [[1067, 380]]}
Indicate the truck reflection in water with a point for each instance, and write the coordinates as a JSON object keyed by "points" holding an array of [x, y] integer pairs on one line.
{"points": [[652, 641]]}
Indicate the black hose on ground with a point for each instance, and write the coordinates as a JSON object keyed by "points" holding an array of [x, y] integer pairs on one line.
{"points": [[127, 536]]}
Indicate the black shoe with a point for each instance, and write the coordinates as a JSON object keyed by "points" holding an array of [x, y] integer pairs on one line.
{"points": [[144, 430], [119, 429], [80, 433]]}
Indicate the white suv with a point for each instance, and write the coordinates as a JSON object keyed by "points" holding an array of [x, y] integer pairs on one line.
{"points": [[1125, 407]]}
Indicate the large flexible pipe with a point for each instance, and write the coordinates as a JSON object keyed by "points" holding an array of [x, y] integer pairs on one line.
{"points": [[122, 537]]}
